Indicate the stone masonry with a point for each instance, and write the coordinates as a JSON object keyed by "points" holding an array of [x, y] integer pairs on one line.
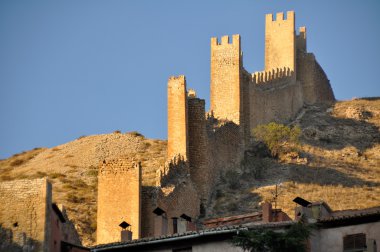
{"points": [[202, 145], [177, 117], [241, 100], [29, 221], [25, 215], [119, 199]]}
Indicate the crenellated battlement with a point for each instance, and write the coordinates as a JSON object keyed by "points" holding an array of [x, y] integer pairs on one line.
{"points": [[225, 40], [280, 17], [272, 76], [280, 45]]}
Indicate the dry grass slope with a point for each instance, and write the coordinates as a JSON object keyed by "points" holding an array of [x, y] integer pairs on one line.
{"points": [[73, 167], [340, 164]]}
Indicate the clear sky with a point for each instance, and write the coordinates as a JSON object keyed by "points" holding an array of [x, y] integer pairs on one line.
{"points": [[84, 67]]}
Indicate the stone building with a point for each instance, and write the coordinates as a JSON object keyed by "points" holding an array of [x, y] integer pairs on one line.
{"points": [[335, 231], [30, 221], [202, 145]]}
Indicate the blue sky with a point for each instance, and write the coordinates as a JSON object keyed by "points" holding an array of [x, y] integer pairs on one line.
{"points": [[73, 68]]}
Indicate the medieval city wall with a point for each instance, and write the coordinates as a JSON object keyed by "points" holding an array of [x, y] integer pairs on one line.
{"points": [[25, 215], [316, 86], [274, 96], [119, 199], [225, 146]]}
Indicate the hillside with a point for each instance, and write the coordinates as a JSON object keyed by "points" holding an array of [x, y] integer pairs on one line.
{"points": [[73, 167], [339, 162]]}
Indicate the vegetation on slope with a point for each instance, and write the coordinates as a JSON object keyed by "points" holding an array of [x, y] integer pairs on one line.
{"points": [[338, 162]]}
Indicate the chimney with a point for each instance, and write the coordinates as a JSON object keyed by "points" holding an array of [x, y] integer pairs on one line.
{"points": [[126, 234], [160, 222], [267, 212]]}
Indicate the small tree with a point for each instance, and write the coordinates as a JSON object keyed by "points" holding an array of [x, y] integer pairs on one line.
{"points": [[278, 137], [293, 239]]}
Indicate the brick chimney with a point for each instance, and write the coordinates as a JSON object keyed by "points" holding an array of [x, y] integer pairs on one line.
{"points": [[160, 222], [267, 212], [126, 235]]}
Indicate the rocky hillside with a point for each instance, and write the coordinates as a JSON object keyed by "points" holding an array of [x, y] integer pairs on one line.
{"points": [[338, 162], [73, 167]]}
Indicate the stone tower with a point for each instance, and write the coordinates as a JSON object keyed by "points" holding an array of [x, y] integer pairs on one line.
{"points": [[200, 172], [280, 45], [177, 118], [226, 79], [119, 199]]}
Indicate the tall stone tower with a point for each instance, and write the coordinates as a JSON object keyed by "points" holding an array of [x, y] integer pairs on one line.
{"points": [[177, 118], [200, 170], [119, 199], [226, 79], [280, 45]]}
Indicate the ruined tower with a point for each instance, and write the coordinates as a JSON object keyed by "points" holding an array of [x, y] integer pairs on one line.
{"points": [[119, 199], [200, 172], [177, 118], [280, 45], [226, 79]]}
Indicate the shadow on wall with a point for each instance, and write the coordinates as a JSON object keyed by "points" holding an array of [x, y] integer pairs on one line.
{"points": [[333, 133], [172, 170], [17, 241]]}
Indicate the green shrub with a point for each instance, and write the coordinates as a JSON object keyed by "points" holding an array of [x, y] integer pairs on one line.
{"points": [[279, 138], [266, 240]]}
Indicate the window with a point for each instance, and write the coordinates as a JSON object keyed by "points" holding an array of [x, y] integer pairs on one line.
{"points": [[175, 227], [354, 243]]}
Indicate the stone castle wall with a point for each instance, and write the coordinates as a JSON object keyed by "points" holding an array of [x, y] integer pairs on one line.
{"points": [[202, 146], [280, 42], [25, 215], [240, 101], [275, 96], [226, 65], [119, 199], [316, 86]]}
